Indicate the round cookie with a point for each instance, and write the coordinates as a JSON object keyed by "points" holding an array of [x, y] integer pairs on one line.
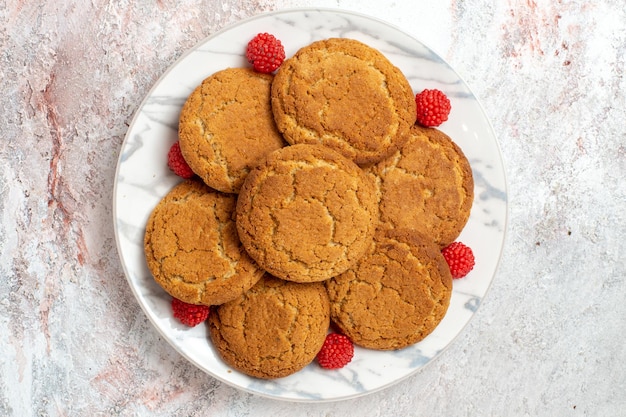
{"points": [[192, 248], [273, 330], [226, 126], [345, 95], [396, 294], [306, 213], [427, 185]]}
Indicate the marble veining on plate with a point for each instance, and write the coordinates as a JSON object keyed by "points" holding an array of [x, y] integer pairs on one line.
{"points": [[143, 179]]}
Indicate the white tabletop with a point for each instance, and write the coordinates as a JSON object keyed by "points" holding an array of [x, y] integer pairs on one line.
{"points": [[548, 337]]}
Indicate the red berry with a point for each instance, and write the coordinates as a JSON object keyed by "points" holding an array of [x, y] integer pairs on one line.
{"points": [[265, 53], [460, 259], [189, 314], [336, 352], [433, 108], [177, 163]]}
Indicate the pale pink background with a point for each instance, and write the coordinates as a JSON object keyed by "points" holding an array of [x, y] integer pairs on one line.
{"points": [[548, 339]]}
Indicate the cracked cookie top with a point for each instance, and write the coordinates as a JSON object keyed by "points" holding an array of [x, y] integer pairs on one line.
{"points": [[274, 329], [345, 95], [226, 126], [306, 213], [427, 185], [192, 248], [395, 295]]}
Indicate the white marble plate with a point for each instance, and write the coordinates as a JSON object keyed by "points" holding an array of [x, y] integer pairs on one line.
{"points": [[143, 178]]}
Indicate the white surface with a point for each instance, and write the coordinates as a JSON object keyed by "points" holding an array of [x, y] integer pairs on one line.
{"points": [[548, 341], [143, 178]]}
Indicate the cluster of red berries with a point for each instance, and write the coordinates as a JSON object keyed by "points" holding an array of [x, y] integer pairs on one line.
{"points": [[336, 352], [189, 314], [433, 107], [177, 163], [265, 53], [460, 259]]}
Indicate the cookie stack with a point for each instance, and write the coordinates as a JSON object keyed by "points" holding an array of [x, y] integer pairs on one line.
{"points": [[318, 200]]}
